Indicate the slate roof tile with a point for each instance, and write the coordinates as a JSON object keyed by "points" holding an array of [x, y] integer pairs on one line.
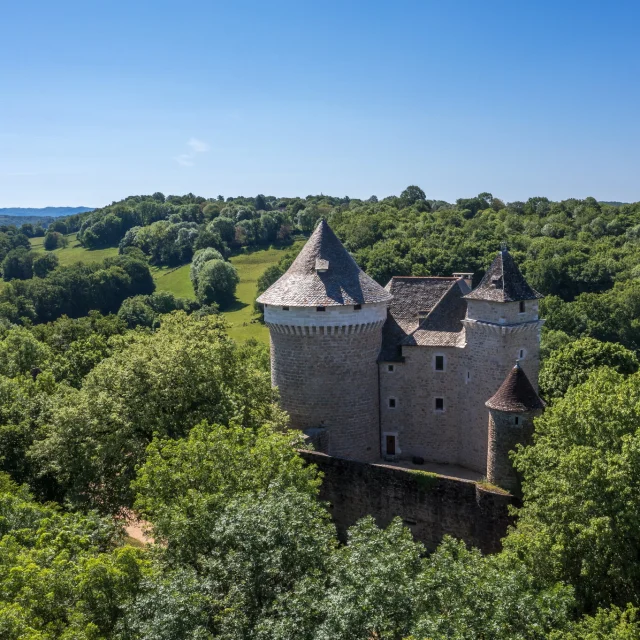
{"points": [[503, 282], [516, 394], [416, 297], [324, 274]]}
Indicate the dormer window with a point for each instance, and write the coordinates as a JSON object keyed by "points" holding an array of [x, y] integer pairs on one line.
{"points": [[322, 265], [496, 282]]}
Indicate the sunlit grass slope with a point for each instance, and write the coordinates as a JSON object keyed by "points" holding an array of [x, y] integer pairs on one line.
{"points": [[240, 316], [75, 252], [174, 279], [250, 266]]}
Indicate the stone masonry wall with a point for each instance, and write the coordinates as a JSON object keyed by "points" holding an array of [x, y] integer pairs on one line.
{"points": [[331, 381], [431, 506], [504, 435], [490, 353]]}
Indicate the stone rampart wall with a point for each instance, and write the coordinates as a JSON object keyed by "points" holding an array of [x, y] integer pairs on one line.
{"points": [[431, 506]]}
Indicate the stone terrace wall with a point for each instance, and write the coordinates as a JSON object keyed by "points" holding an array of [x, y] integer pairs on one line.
{"points": [[431, 507]]}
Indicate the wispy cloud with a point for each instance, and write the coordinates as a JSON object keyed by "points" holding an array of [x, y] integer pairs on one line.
{"points": [[196, 147]]}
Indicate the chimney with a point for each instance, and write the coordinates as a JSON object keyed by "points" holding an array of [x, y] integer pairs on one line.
{"points": [[466, 277]]}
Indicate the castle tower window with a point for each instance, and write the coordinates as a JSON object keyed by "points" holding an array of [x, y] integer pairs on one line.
{"points": [[390, 368], [321, 309], [439, 406], [357, 307], [392, 403], [522, 353], [438, 362], [516, 420], [523, 307], [285, 308]]}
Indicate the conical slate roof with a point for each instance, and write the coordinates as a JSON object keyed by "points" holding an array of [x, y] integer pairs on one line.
{"points": [[324, 274], [503, 282], [516, 394]]}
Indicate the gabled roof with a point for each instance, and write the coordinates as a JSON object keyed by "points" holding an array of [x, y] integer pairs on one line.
{"points": [[516, 394], [443, 325], [503, 282], [415, 298], [324, 274]]}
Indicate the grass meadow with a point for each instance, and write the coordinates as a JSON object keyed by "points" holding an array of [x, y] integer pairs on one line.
{"points": [[240, 315]]}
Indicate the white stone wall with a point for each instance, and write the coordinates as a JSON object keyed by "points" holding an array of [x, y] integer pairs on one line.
{"points": [[502, 312], [332, 316]]}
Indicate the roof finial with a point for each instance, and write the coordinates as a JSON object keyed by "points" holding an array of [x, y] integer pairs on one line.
{"points": [[517, 365]]}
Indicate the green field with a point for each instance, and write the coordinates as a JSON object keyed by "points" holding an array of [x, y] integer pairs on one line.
{"points": [[250, 265], [174, 279], [75, 252]]}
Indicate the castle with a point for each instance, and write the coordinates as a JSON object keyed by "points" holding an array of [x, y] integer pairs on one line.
{"points": [[418, 372]]}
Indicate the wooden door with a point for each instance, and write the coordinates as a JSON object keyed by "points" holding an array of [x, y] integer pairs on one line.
{"points": [[391, 445]]}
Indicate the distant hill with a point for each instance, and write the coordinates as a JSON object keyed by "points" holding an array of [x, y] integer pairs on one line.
{"points": [[48, 212]]}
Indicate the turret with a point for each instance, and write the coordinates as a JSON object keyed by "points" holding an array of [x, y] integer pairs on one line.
{"points": [[502, 319], [511, 412], [325, 318], [501, 326]]}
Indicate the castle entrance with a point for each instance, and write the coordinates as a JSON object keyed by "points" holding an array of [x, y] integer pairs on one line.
{"points": [[391, 445]]}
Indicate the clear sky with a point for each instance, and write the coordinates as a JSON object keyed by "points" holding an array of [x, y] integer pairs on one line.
{"points": [[104, 99]]}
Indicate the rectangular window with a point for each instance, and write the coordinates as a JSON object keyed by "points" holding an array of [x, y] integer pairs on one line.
{"points": [[392, 403], [522, 306], [439, 362], [516, 420], [439, 404], [285, 308], [320, 309], [357, 307], [390, 368]]}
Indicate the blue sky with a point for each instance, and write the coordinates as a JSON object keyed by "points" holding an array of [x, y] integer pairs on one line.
{"points": [[100, 100]]}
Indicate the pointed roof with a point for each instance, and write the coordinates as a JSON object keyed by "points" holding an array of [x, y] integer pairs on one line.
{"points": [[324, 274], [516, 394], [503, 282]]}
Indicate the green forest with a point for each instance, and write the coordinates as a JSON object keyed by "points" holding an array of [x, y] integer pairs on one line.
{"points": [[120, 400]]}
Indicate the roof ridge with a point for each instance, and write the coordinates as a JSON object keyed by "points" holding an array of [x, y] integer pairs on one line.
{"points": [[425, 277]]}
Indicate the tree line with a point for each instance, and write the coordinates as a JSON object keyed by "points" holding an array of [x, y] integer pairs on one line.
{"points": [[143, 404]]}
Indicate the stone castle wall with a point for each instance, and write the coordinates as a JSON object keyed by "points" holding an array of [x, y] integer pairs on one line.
{"points": [[431, 506], [328, 378], [472, 374], [415, 384]]}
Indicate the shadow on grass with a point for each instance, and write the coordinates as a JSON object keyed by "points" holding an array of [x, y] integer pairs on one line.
{"points": [[236, 305]]}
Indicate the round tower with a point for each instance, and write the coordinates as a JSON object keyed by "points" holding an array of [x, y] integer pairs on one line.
{"points": [[325, 318], [511, 413]]}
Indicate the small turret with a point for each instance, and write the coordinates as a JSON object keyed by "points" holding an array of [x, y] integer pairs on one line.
{"points": [[511, 412]]}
